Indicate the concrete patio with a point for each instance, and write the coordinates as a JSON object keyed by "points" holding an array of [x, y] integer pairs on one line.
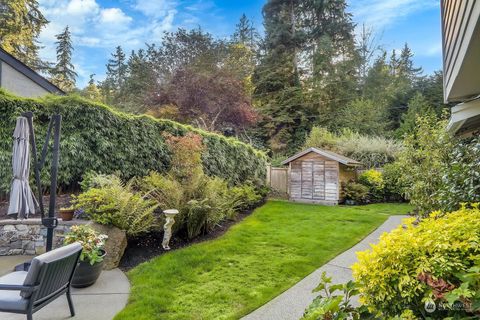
{"points": [[102, 301]]}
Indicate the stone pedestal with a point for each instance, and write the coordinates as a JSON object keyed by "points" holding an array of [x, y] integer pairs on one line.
{"points": [[114, 246], [167, 228]]}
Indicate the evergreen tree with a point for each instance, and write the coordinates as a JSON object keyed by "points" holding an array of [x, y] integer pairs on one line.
{"points": [[20, 25], [63, 73], [431, 88], [116, 71], [405, 77], [417, 107], [332, 57], [378, 80], [117, 68], [138, 83], [394, 64], [91, 91], [245, 33], [278, 91], [406, 67]]}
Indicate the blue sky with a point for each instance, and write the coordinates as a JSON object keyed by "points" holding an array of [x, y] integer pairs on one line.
{"points": [[98, 26]]}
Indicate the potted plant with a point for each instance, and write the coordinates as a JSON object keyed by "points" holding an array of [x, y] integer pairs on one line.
{"points": [[93, 253], [67, 213]]}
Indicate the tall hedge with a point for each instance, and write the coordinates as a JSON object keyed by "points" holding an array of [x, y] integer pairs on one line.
{"points": [[96, 137]]}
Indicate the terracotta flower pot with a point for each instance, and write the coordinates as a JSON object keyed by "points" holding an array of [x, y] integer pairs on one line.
{"points": [[67, 214], [86, 274]]}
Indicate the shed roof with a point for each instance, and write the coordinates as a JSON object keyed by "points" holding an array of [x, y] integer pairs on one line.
{"points": [[28, 72], [327, 154]]}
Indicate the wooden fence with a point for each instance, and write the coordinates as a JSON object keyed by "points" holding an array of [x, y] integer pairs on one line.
{"points": [[277, 179]]}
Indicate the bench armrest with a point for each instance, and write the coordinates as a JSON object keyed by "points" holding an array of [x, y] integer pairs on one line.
{"points": [[16, 287]]}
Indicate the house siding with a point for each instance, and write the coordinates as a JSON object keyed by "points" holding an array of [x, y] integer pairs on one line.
{"points": [[19, 84], [461, 49]]}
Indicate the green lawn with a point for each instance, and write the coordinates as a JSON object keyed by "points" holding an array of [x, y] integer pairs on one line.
{"points": [[257, 259]]}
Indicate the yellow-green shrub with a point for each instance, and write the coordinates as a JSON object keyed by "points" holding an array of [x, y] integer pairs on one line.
{"points": [[440, 246], [373, 179]]}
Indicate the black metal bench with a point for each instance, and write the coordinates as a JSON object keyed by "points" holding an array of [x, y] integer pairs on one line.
{"points": [[48, 278]]}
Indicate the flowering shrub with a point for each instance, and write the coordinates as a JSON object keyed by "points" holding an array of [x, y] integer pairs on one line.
{"points": [[92, 242], [422, 263]]}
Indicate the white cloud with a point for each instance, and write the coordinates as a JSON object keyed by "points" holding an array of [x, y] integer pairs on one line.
{"points": [[114, 16], [95, 26], [157, 8], [97, 29], [381, 13], [82, 7]]}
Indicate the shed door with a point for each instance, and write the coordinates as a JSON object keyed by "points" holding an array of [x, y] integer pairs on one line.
{"points": [[308, 180], [331, 180], [296, 180], [319, 180]]}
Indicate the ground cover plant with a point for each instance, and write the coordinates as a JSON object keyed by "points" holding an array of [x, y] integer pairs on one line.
{"points": [[254, 261]]}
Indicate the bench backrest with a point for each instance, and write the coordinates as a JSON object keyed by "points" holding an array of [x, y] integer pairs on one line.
{"points": [[52, 271]]}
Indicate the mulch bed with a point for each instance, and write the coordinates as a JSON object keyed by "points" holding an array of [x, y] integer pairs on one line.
{"points": [[141, 249], [150, 246], [63, 201]]}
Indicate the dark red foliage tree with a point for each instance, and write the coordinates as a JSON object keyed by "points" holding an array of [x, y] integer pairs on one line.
{"points": [[214, 101]]}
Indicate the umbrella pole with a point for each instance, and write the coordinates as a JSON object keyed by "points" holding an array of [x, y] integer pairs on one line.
{"points": [[53, 182], [49, 222]]}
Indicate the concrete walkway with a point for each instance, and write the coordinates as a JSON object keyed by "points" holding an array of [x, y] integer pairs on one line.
{"points": [[291, 304], [102, 301]]}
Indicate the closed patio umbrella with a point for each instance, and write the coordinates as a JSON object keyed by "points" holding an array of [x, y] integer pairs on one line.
{"points": [[22, 202]]}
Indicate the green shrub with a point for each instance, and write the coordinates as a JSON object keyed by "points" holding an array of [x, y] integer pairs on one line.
{"points": [[165, 190], [418, 263], [393, 188], [422, 161], [203, 202], [460, 175], [92, 179], [95, 137], [118, 205], [356, 192], [371, 151], [245, 197], [332, 305], [373, 180]]}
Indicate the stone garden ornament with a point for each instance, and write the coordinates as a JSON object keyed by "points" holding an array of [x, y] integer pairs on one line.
{"points": [[167, 228]]}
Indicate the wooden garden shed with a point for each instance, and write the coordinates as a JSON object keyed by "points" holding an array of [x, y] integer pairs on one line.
{"points": [[315, 175]]}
